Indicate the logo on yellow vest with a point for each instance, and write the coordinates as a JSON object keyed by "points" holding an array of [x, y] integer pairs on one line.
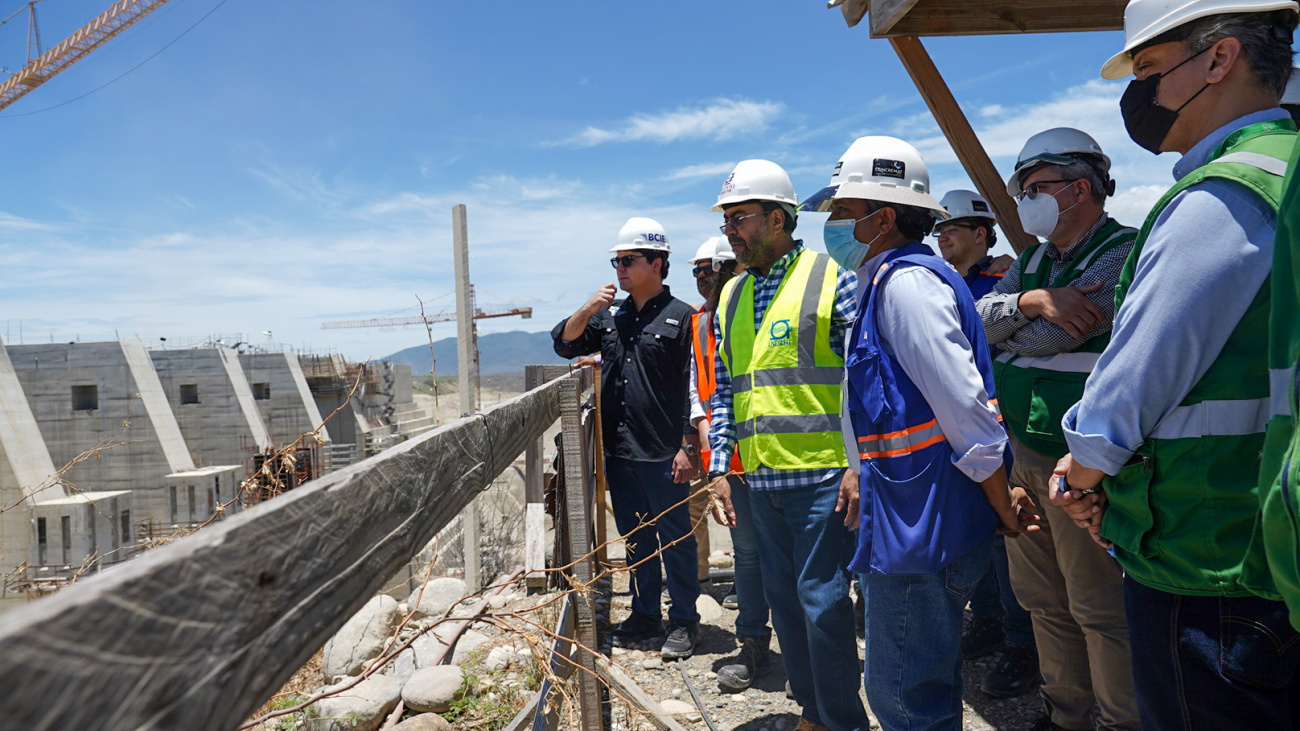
{"points": [[780, 332]]}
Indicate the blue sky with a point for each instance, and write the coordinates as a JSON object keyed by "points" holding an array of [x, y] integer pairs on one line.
{"points": [[284, 164]]}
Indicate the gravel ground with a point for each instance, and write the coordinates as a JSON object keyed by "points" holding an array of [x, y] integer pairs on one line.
{"points": [[764, 707]]}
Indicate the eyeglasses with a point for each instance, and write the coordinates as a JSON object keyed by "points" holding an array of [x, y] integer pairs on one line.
{"points": [[702, 269], [1031, 191], [733, 222], [950, 229], [625, 261]]}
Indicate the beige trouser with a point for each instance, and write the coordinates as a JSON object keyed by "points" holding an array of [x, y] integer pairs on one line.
{"points": [[699, 508], [1074, 591]]}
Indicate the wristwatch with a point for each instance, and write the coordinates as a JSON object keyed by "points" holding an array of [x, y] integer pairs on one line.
{"points": [[715, 475], [690, 449]]}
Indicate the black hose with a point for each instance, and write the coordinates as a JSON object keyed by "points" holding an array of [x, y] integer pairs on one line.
{"points": [[681, 665]]}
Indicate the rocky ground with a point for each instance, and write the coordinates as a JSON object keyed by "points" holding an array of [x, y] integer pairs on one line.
{"points": [[764, 707]]}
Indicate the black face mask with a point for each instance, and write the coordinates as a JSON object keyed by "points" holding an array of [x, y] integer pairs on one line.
{"points": [[1149, 123]]}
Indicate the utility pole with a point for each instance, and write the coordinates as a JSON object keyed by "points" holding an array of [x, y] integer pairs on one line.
{"points": [[468, 376]]}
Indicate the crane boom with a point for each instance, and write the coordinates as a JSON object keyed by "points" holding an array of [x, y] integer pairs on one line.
{"points": [[94, 34], [525, 312]]}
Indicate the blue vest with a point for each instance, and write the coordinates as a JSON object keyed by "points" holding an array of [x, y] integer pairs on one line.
{"points": [[981, 284], [918, 511]]}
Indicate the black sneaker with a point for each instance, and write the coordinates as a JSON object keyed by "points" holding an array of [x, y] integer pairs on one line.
{"points": [[731, 601], [637, 628], [751, 661], [681, 639], [1015, 674], [1044, 723], [982, 636]]}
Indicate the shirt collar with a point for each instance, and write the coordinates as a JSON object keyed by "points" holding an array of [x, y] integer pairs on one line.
{"points": [[1200, 153], [979, 267], [1056, 254], [651, 305]]}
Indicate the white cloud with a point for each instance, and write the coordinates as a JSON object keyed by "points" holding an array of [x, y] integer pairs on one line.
{"points": [[704, 170], [508, 187], [721, 119]]}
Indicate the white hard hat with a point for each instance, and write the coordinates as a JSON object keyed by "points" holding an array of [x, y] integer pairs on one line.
{"points": [[967, 204], [883, 169], [716, 248], [1058, 146], [1147, 19], [756, 180], [641, 233]]}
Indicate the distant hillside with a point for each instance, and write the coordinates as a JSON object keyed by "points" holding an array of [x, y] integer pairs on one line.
{"points": [[498, 353]]}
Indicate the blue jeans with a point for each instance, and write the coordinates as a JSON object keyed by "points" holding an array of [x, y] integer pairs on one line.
{"points": [[751, 617], [993, 597], [804, 550], [640, 491], [913, 668], [1210, 662]]}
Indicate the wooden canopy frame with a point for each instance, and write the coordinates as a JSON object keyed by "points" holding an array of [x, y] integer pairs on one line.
{"points": [[904, 22]]}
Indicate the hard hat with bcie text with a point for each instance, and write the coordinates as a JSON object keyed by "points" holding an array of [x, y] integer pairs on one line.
{"points": [[884, 169], [641, 233], [967, 204], [1059, 146], [1145, 20], [716, 248], [756, 180]]}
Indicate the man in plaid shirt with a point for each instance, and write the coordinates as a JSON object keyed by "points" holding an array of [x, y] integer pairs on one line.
{"points": [[787, 342]]}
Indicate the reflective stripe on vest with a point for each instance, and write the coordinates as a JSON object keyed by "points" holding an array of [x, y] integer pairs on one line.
{"points": [[1279, 389], [815, 375], [788, 424], [898, 443], [1061, 362], [1215, 418]]}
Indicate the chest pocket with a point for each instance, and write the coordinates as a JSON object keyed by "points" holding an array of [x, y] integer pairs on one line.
{"points": [[658, 337]]}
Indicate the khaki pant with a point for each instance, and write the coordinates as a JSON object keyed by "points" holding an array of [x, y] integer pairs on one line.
{"points": [[1074, 591], [699, 506]]}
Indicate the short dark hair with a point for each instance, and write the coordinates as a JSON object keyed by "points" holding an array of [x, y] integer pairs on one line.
{"points": [[1265, 41], [913, 222], [791, 218], [1083, 169], [990, 237], [652, 254]]}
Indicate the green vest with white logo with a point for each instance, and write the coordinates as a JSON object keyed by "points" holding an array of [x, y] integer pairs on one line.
{"points": [[1183, 510], [1278, 530], [1035, 393], [785, 379]]}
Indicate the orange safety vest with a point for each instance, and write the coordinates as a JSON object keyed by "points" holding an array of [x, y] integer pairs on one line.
{"points": [[705, 381]]}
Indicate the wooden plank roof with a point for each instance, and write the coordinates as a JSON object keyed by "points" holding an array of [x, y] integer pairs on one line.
{"points": [[897, 18]]}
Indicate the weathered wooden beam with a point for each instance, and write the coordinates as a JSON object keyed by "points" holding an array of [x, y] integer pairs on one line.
{"points": [[957, 129], [885, 14], [197, 634], [973, 17], [623, 684]]}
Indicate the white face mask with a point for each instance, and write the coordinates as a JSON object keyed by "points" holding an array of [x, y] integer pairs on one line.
{"points": [[1039, 216]]}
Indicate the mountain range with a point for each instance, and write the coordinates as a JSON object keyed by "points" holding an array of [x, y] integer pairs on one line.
{"points": [[505, 352]]}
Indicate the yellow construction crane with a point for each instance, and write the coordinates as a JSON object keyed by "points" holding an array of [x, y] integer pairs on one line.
{"points": [[94, 34]]}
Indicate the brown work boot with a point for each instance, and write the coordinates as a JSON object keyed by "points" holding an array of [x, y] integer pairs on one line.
{"points": [[806, 725]]}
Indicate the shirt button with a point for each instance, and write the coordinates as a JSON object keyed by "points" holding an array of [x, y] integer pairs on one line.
{"points": [[629, 360]]}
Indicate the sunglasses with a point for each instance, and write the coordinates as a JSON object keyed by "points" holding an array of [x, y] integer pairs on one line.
{"points": [[733, 222], [625, 261], [702, 269]]}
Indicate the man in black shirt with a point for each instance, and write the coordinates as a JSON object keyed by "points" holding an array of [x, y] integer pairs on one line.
{"points": [[645, 347]]}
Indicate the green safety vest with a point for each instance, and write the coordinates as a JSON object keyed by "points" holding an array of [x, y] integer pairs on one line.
{"points": [[1278, 530], [1035, 393], [785, 379], [1182, 512]]}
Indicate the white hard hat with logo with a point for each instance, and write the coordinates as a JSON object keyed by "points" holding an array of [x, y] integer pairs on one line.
{"points": [[967, 204], [1145, 20], [641, 233], [716, 248], [1059, 146], [756, 180], [884, 169]]}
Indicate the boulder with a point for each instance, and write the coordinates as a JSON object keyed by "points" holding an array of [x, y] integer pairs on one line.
{"points": [[439, 596], [497, 659], [709, 608], [421, 654], [424, 722], [433, 689], [361, 638], [676, 707], [720, 560], [469, 642], [360, 708]]}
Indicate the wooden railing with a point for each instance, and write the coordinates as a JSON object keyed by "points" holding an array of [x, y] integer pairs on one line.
{"points": [[198, 633]]}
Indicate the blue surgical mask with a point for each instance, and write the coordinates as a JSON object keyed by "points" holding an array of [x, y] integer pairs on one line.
{"points": [[843, 246]]}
